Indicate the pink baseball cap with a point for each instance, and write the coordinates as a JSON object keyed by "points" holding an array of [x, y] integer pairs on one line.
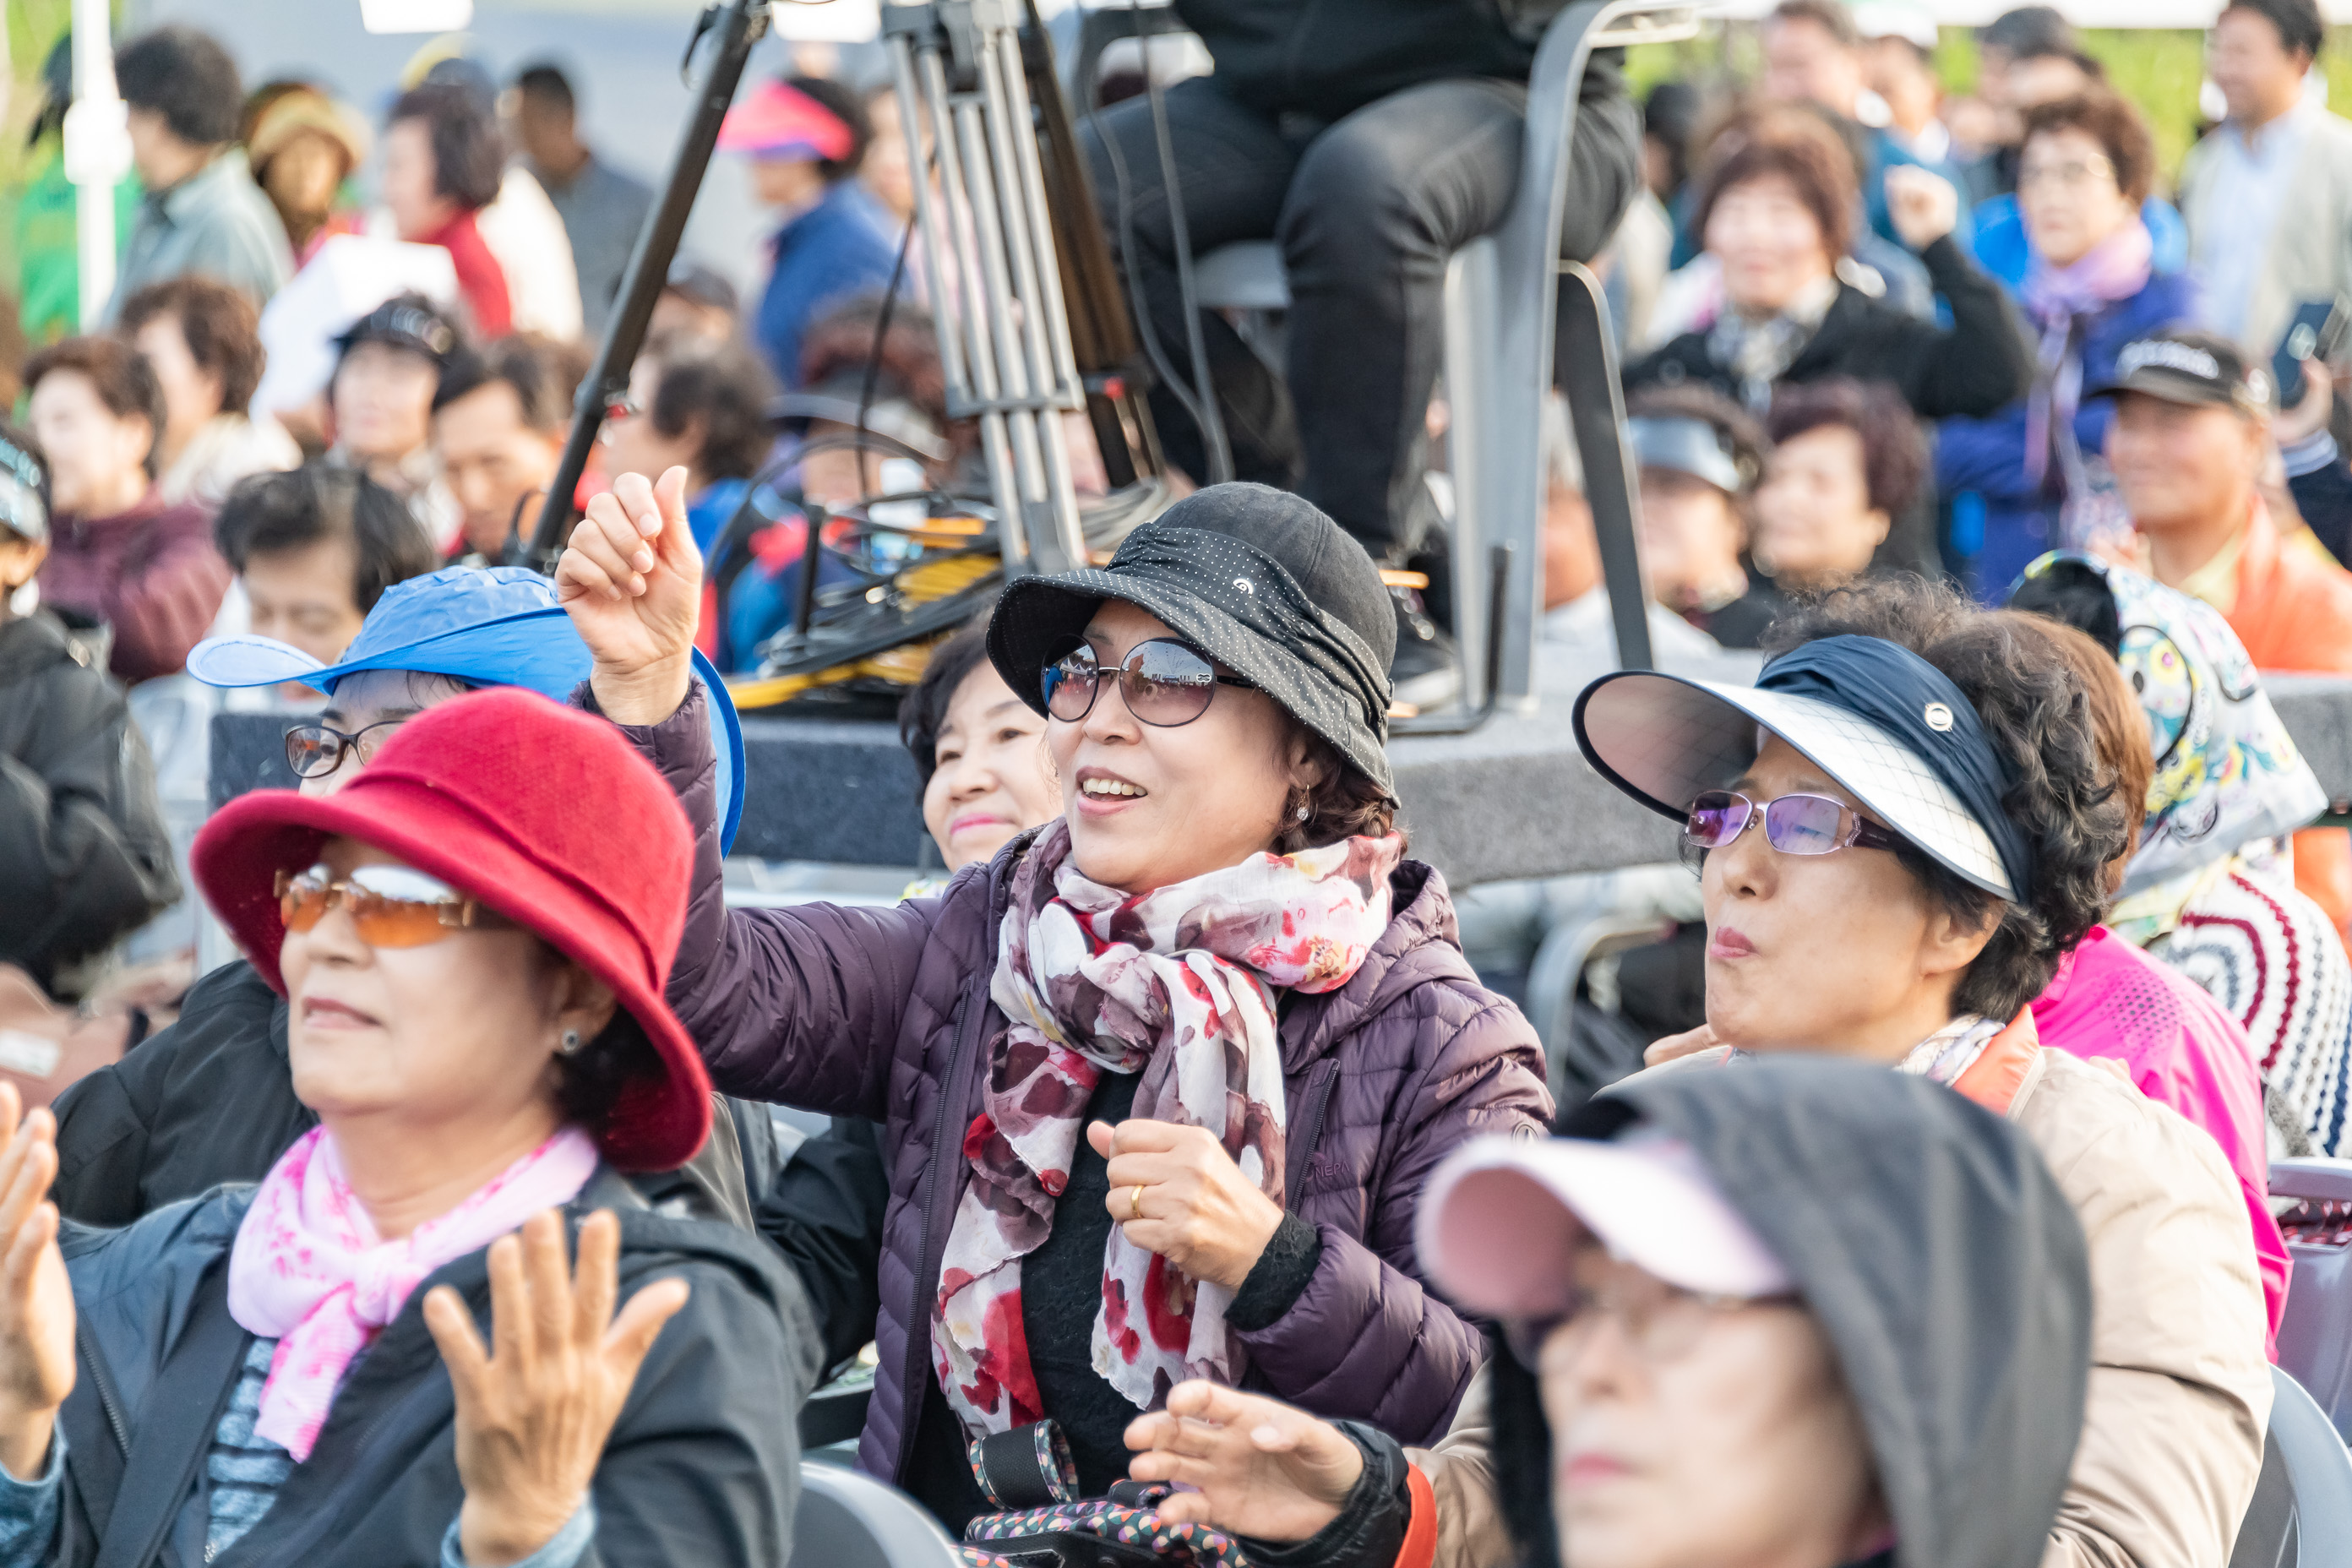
{"points": [[1502, 1218], [779, 121]]}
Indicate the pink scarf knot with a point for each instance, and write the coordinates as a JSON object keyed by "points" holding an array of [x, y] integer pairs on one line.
{"points": [[2058, 299], [309, 1271]]}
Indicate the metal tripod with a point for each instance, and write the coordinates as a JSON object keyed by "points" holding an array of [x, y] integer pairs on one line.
{"points": [[988, 251]]}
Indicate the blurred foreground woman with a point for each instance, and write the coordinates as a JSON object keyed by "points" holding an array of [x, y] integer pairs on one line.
{"points": [[1723, 1301], [251, 1376]]}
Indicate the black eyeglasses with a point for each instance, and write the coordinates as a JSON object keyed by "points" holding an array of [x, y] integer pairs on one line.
{"points": [[314, 751], [1164, 682]]}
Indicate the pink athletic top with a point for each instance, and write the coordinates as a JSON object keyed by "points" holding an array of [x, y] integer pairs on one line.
{"points": [[2109, 999]]}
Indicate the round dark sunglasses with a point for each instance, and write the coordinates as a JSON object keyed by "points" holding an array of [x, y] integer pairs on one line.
{"points": [[1164, 683], [1793, 824], [314, 751]]}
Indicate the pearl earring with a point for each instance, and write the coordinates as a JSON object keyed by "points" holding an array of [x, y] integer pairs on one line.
{"points": [[571, 1046]]}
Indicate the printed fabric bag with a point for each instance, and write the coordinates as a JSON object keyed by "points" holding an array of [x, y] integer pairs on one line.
{"points": [[1028, 1473]]}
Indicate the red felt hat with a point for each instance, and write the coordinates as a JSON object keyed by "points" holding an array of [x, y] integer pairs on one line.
{"points": [[545, 814]]}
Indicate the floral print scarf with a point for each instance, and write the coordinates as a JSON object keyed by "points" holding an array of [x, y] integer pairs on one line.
{"points": [[1176, 985]]}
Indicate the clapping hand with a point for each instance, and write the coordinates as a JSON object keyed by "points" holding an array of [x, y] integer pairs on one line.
{"points": [[631, 580], [1257, 1467], [37, 1309], [534, 1410], [1923, 206]]}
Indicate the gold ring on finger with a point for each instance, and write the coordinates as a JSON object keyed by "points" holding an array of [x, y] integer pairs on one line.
{"points": [[1135, 1202]]}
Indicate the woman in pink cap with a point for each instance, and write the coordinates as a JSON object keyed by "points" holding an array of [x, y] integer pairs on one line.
{"points": [[360, 1361]]}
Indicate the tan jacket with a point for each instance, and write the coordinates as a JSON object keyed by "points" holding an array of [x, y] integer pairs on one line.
{"points": [[2180, 1387]]}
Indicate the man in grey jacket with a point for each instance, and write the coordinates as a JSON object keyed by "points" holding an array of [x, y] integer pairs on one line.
{"points": [[203, 212]]}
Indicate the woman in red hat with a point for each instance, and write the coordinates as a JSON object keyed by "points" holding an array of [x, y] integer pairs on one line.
{"points": [[476, 984]]}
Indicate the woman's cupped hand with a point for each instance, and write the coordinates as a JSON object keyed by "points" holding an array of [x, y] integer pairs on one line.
{"points": [[536, 1405], [1175, 1191], [37, 1309]]}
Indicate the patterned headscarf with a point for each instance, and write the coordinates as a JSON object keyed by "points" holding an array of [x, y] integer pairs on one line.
{"points": [[1176, 984]]}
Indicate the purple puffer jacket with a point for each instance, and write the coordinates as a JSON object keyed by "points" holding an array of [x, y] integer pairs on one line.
{"points": [[884, 1013]]}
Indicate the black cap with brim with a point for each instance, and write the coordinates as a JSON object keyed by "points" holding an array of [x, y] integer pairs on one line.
{"points": [[1240, 604], [2196, 370]]}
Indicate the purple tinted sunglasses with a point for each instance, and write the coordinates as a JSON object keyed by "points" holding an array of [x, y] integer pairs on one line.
{"points": [[1793, 824]]}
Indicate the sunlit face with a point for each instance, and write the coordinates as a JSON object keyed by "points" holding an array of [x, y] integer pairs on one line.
{"points": [[1691, 536], [886, 168], [634, 444], [1814, 522], [991, 780], [1842, 952], [408, 179], [96, 459], [1768, 242], [787, 183], [192, 394], [492, 461], [304, 596], [376, 701], [455, 1034], [2067, 194], [1743, 1448], [1803, 63], [1149, 805], [2181, 467], [2259, 76], [383, 399]]}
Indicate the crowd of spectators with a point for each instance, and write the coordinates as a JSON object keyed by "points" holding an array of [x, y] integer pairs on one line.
{"points": [[1171, 1135]]}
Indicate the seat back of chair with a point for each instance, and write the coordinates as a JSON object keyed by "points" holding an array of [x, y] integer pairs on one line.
{"points": [[848, 1519], [2314, 1337], [2302, 1513]]}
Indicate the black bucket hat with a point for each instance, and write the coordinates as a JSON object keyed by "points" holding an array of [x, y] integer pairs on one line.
{"points": [[1257, 579]]}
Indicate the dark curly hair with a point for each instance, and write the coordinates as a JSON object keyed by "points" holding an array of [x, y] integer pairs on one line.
{"points": [[2067, 799], [1793, 144], [218, 323], [1895, 459], [725, 386], [1344, 804], [124, 381]]}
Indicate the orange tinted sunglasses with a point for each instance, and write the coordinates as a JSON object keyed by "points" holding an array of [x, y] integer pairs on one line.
{"points": [[390, 906]]}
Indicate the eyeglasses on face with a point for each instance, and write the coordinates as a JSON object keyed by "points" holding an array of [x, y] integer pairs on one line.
{"points": [[1164, 682], [390, 906], [1793, 824], [314, 751], [1662, 1323]]}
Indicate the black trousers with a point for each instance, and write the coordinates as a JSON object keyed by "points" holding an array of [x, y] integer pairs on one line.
{"points": [[1367, 210]]}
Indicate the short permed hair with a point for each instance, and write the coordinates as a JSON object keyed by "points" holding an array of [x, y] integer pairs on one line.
{"points": [[183, 75], [2110, 120], [2066, 800], [545, 375], [125, 381], [1894, 453], [724, 385], [468, 154], [270, 515], [2116, 718], [221, 329], [2301, 28], [1792, 144]]}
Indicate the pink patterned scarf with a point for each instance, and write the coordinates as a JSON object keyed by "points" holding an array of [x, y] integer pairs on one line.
{"points": [[1176, 985], [309, 1271]]}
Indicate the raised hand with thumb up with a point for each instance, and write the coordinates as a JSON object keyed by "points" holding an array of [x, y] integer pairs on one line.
{"points": [[631, 579]]}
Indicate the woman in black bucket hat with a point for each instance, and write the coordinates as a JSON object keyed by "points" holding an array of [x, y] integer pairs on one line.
{"points": [[1162, 1081]]}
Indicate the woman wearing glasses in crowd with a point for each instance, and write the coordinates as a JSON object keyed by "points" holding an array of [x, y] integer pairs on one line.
{"points": [[359, 1361], [1163, 1080], [1723, 1302]]}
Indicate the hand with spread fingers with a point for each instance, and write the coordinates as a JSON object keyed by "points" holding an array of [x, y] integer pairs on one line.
{"points": [[1176, 1192], [631, 579], [1257, 1467], [36, 1309], [535, 1408]]}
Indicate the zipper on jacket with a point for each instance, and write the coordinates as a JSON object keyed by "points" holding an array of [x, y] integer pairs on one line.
{"points": [[918, 1317], [1318, 1101], [107, 1400]]}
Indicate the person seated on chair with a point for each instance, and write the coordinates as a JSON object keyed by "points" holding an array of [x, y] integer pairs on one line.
{"points": [[1845, 475], [1371, 142], [1700, 456], [209, 1099], [500, 419], [478, 1025], [2208, 890], [1716, 1347], [1915, 788], [1776, 208], [1282, 993]]}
